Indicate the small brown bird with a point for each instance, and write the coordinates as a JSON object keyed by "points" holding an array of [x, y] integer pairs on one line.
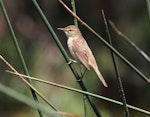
{"points": [[80, 50]]}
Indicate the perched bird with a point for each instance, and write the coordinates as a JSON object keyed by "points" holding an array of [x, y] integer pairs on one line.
{"points": [[80, 50]]}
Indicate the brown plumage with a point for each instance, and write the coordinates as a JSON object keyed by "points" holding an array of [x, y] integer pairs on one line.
{"points": [[80, 50]]}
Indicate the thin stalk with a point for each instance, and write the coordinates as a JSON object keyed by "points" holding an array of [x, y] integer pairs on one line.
{"points": [[85, 106], [141, 52], [74, 10], [19, 52], [82, 92], [148, 8], [120, 86], [50, 29]]}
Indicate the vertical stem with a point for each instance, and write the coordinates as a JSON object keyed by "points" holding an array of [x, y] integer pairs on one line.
{"points": [[74, 10], [19, 51], [85, 106], [148, 7], [121, 90]]}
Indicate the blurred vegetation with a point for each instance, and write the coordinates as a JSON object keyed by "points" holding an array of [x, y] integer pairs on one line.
{"points": [[45, 61]]}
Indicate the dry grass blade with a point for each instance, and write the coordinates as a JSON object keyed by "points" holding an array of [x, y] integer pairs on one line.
{"points": [[72, 13], [68, 114]]}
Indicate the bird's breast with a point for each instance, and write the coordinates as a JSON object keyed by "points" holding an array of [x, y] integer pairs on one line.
{"points": [[70, 47]]}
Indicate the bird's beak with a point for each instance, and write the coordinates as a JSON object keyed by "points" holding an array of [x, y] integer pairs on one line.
{"points": [[61, 29]]}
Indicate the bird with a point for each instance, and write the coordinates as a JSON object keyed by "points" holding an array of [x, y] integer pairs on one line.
{"points": [[80, 50]]}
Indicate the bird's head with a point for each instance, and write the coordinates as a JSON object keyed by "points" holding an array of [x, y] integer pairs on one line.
{"points": [[71, 31]]}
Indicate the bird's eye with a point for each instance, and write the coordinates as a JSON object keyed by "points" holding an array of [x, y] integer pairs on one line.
{"points": [[70, 30]]}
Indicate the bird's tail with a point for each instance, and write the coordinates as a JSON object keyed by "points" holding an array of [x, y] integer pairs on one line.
{"points": [[100, 76]]}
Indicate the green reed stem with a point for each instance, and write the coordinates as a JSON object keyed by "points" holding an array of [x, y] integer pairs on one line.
{"points": [[148, 8], [120, 86], [74, 10], [19, 52]]}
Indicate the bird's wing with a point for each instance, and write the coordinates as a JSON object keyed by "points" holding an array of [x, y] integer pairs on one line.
{"points": [[80, 49]]}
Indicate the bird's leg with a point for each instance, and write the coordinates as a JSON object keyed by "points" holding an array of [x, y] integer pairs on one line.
{"points": [[83, 73], [82, 70], [71, 61]]}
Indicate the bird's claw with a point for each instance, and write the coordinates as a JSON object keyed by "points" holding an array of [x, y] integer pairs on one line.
{"points": [[80, 79], [71, 61]]}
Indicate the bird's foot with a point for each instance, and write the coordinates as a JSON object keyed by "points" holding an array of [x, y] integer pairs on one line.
{"points": [[82, 75], [71, 61], [80, 79]]}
